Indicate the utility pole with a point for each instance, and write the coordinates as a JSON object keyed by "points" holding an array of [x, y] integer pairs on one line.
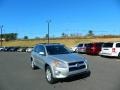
{"points": [[48, 25], [1, 27]]}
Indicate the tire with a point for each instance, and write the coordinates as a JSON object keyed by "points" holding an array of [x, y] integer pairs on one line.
{"points": [[49, 75], [33, 65], [119, 55], [88, 73], [76, 50]]}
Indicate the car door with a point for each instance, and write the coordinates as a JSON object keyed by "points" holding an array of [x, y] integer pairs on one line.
{"points": [[41, 55]]}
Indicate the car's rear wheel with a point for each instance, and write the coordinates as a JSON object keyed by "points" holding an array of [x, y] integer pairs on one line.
{"points": [[49, 75], [119, 55], [76, 50]]}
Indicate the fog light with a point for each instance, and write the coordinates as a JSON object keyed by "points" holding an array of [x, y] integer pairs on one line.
{"points": [[57, 72]]}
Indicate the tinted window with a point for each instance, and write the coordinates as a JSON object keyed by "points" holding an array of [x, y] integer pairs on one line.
{"points": [[57, 49], [80, 45], [85, 45], [99, 44], [39, 48], [108, 45], [118, 45], [89, 45]]}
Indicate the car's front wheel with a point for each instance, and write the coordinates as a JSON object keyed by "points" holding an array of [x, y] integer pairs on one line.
{"points": [[49, 75], [33, 65]]}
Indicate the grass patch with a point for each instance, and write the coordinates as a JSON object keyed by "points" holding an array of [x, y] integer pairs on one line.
{"points": [[67, 41]]}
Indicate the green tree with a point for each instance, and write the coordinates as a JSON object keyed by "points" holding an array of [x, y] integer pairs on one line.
{"points": [[64, 35], [26, 37], [46, 35], [90, 33], [10, 36]]}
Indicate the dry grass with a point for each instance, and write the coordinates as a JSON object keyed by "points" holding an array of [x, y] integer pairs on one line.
{"points": [[67, 42]]}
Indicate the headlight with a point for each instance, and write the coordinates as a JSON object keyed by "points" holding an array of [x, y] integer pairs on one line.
{"points": [[58, 64], [86, 60]]}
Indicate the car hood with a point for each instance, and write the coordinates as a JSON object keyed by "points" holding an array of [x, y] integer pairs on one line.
{"points": [[72, 57]]}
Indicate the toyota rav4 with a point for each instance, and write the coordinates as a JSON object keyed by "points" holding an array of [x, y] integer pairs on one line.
{"points": [[57, 61]]}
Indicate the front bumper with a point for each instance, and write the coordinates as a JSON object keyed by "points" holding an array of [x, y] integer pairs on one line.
{"points": [[64, 73]]}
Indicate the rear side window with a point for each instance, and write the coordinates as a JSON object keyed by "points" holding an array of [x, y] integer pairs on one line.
{"points": [[80, 45], [89, 45], [108, 45], [118, 45], [99, 44], [85, 45]]}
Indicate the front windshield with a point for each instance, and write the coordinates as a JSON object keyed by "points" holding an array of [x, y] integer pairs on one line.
{"points": [[57, 49]]}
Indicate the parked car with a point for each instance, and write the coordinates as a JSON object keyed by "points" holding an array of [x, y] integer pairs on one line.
{"points": [[74, 49], [13, 49], [22, 49], [19, 50], [111, 49], [7, 49], [80, 48], [94, 48], [1, 48], [29, 49], [58, 62]]}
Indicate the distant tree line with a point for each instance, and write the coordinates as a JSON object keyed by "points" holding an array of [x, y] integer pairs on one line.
{"points": [[9, 36], [89, 34]]}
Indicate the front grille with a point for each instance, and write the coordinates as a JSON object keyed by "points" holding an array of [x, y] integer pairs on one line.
{"points": [[74, 63], [76, 68]]}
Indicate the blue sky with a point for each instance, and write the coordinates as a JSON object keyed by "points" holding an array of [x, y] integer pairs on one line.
{"points": [[28, 17]]}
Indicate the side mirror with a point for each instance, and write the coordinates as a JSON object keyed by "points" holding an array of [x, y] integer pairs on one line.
{"points": [[42, 53]]}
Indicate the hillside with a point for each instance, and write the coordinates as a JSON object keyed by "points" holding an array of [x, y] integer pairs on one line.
{"points": [[67, 41]]}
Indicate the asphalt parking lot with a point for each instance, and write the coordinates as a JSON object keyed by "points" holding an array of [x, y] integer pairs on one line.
{"points": [[16, 74]]}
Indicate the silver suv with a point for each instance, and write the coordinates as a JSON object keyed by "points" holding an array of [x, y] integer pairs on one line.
{"points": [[57, 61]]}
